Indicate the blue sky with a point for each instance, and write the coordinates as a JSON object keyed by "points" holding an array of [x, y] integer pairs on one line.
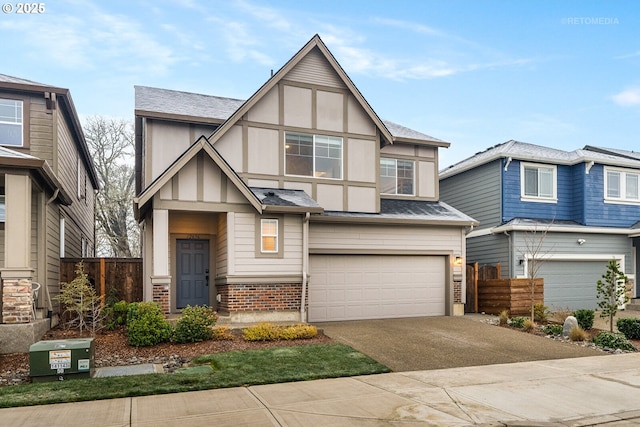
{"points": [[474, 73]]}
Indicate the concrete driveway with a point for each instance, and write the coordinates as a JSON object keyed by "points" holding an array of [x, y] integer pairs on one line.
{"points": [[426, 343]]}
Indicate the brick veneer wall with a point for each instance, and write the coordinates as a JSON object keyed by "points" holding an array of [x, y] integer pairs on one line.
{"points": [[259, 297], [17, 301], [457, 292], [161, 296]]}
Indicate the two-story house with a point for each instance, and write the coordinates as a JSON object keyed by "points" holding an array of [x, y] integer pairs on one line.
{"points": [[299, 203], [574, 211], [47, 188]]}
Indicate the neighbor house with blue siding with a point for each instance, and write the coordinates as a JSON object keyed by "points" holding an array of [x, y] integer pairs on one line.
{"points": [[581, 206]]}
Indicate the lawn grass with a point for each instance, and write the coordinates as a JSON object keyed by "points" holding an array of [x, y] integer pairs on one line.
{"points": [[232, 369]]}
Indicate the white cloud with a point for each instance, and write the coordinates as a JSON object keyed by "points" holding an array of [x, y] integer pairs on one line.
{"points": [[628, 98]]}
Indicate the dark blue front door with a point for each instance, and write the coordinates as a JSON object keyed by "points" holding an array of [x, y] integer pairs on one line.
{"points": [[192, 270]]}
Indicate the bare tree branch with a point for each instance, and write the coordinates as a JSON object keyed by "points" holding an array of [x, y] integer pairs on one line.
{"points": [[111, 142]]}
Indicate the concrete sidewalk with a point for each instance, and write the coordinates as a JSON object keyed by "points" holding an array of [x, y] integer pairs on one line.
{"points": [[602, 390]]}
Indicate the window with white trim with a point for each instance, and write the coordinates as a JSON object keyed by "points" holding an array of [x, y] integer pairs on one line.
{"points": [[621, 185], [319, 156], [538, 182], [397, 176], [269, 236], [3, 208], [11, 132]]}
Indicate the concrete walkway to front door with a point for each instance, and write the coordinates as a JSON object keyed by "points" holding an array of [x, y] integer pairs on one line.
{"points": [[425, 343]]}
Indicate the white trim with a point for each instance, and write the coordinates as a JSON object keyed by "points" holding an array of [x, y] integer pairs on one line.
{"points": [[480, 232], [62, 239], [413, 177], [554, 185], [313, 158], [568, 229], [275, 222], [571, 257], [622, 200]]}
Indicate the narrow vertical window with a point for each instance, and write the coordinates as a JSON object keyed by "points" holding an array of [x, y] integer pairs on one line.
{"points": [[269, 235], [62, 239]]}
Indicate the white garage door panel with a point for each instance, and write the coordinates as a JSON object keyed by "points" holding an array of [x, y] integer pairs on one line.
{"points": [[348, 287]]}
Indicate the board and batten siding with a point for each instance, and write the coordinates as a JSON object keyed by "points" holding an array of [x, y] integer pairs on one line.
{"points": [[393, 238], [476, 192], [246, 255], [314, 69]]}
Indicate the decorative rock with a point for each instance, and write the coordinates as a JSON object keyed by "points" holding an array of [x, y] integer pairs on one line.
{"points": [[570, 323]]}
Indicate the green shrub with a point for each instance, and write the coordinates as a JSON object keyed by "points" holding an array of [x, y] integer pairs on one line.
{"points": [[613, 340], [269, 332], [552, 329], [195, 324], [146, 325], [585, 318], [518, 322], [540, 312], [115, 315], [630, 327]]}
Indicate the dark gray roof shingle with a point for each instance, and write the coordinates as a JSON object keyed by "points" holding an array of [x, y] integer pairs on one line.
{"points": [[166, 101], [184, 103]]}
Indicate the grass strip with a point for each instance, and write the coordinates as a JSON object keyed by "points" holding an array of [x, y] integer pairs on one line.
{"points": [[232, 369]]}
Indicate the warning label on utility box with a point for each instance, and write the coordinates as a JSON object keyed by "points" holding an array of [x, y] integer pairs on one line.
{"points": [[60, 359]]}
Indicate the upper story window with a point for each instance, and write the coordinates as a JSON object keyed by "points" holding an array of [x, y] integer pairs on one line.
{"points": [[313, 155], [3, 209], [539, 182], [621, 185], [397, 176], [11, 122]]}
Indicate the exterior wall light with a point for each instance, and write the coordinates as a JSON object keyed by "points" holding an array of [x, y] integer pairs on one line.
{"points": [[581, 241], [457, 260]]}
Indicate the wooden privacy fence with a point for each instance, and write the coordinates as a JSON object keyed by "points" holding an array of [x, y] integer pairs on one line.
{"points": [[122, 274], [496, 295], [476, 273]]}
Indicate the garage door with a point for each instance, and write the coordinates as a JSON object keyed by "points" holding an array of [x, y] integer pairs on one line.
{"points": [[350, 287], [571, 284]]}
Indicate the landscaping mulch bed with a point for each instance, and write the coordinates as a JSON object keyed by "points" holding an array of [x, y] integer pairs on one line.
{"points": [[112, 349]]}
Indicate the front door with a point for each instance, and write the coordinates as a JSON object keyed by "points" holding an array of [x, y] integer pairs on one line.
{"points": [[192, 271]]}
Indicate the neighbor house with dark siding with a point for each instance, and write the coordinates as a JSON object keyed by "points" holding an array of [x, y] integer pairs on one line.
{"points": [[47, 195], [586, 201]]}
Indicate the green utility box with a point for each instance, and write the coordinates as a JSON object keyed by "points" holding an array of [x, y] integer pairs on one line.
{"points": [[59, 360]]}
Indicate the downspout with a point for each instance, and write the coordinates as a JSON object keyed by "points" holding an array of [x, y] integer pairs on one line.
{"points": [[510, 266], [55, 196], [305, 265]]}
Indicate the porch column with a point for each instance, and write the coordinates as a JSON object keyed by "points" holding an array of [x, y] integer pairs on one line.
{"points": [[17, 273], [160, 278]]}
